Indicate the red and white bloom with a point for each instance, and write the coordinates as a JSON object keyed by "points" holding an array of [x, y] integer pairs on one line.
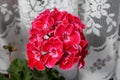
{"points": [[56, 38], [34, 58], [54, 51]]}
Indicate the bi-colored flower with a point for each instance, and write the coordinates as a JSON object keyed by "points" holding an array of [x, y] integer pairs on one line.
{"points": [[56, 38]]}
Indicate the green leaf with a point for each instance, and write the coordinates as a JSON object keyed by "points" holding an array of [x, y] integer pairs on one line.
{"points": [[62, 78], [27, 74], [2, 77], [16, 66], [20, 71]]}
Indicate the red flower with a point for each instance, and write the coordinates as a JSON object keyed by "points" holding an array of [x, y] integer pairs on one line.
{"points": [[84, 52], [67, 33], [56, 38], [81, 61], [42, 24], [66, 61], [58, 16], [34, 58], [54, 51], [35, 40]]}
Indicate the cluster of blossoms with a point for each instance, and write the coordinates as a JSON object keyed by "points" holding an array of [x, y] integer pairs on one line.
{"points": [[56, 38]]}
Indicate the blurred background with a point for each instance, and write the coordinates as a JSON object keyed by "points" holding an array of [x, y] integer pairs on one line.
{"points": [[102, 18]]}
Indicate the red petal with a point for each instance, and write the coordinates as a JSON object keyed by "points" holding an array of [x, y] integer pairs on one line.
{"points": [[38, 24], [84, 44], [42, 15], [51, 62], [36, 40], [46, 46], [47, 11], [45, 58], [40, 66], [70, 17], [84, 54], [56, 42], [78, 23], [30, 55], [82, 36], [57, 15], [67, 45], [31, 63], [77, 58], [51, 22], [60, 54], [81, 61], [72, 50], [28, 46], [67, 63], [75, 37], [59, 30], [65, 21], [81, 64], [34, 31], [32, 49], [69, 29]]}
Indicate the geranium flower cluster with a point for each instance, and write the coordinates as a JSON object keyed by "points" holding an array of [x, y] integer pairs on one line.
{"points": [[56, 38]]}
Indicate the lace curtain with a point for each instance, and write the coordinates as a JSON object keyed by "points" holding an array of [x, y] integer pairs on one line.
{"points": [[100, 16]]}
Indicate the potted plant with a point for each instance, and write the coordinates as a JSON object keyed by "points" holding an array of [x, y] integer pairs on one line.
{"points": [[55, 38]]}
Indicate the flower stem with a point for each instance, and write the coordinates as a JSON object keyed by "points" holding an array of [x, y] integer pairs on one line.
{"points": [[10, 60]]}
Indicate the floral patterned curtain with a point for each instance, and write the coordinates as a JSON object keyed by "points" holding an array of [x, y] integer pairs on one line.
{"points": [[100, 16], [11, 31]]}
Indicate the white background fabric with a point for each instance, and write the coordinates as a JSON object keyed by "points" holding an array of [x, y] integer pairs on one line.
{"points": [[102, 32]]}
